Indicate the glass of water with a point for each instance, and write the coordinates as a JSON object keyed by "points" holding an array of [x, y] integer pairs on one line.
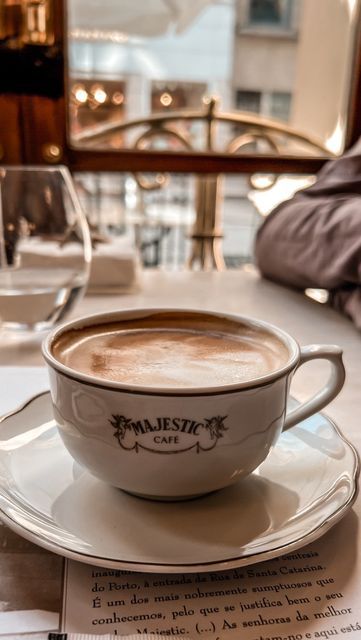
{"points": [[45, 247]]}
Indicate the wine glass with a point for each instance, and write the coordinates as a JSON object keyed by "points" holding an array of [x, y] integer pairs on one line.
{"points": [[45, 247]]}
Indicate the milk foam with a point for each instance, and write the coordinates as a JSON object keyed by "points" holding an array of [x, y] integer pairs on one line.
{"points": [[167, 357]]}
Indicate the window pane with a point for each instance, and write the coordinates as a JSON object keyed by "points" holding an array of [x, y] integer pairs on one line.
{"points": [[284, 59], [270, 12], [248, 101], [280, 105]]}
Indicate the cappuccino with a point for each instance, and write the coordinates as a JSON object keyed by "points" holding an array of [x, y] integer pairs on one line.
{"points": [[177, 352], [171, 404]]}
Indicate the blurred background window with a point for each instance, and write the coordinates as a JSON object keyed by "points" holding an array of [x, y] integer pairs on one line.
{"points": [[280, 105], [270, 12], [287, 59], [248, 101]]}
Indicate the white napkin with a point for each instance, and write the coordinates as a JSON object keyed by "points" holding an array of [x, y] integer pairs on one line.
{"points": [[115, 264]]}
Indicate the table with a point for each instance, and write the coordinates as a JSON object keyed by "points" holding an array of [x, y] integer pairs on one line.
{"points": [[32, 575]]}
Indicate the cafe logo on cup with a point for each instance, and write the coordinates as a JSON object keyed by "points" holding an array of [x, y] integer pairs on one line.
{"points": [[168, 435]]}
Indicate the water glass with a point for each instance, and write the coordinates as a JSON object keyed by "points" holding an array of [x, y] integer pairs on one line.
{"points": [[45, 247]]}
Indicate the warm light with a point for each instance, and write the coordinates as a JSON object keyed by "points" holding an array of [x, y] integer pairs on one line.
{"points": [[117, 98], [166, 99], [207, 100], [81, 95], [100, 95], [161, 179]]}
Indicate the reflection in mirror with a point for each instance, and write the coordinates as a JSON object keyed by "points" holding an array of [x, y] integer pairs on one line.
{"points": [[287, 61]]}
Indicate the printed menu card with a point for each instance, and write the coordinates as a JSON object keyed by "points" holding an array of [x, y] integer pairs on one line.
{"points": [[313, 592]]}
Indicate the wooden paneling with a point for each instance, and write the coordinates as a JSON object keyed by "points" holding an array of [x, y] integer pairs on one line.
{"points": [[32, 81], [43, 128], [166, 161], [11, 134]]}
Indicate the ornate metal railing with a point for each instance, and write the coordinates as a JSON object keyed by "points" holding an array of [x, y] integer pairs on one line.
{"points": [[274, 136]]}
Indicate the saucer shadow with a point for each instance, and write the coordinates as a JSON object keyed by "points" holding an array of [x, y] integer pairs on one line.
{"points": [[111, 524]]}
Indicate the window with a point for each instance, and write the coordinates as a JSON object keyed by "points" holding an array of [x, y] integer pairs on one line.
{"points": [[275, 104], [280, 105], [270, 12], [248, 101]]}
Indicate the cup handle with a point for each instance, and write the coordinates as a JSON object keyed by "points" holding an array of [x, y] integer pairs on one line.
{"points": [[332, 387]]}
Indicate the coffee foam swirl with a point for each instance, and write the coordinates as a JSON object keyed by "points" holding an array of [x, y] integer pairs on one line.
{"points": [[171, 357]]}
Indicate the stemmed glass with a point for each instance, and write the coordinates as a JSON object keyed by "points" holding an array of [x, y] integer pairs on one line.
{"points": [[45, 247]]}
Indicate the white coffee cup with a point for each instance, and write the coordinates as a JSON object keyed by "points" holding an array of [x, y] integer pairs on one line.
{"points": [[166, 442]]}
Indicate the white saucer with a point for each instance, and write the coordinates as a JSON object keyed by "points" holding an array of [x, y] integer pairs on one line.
{"points": [[306, 485]]}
